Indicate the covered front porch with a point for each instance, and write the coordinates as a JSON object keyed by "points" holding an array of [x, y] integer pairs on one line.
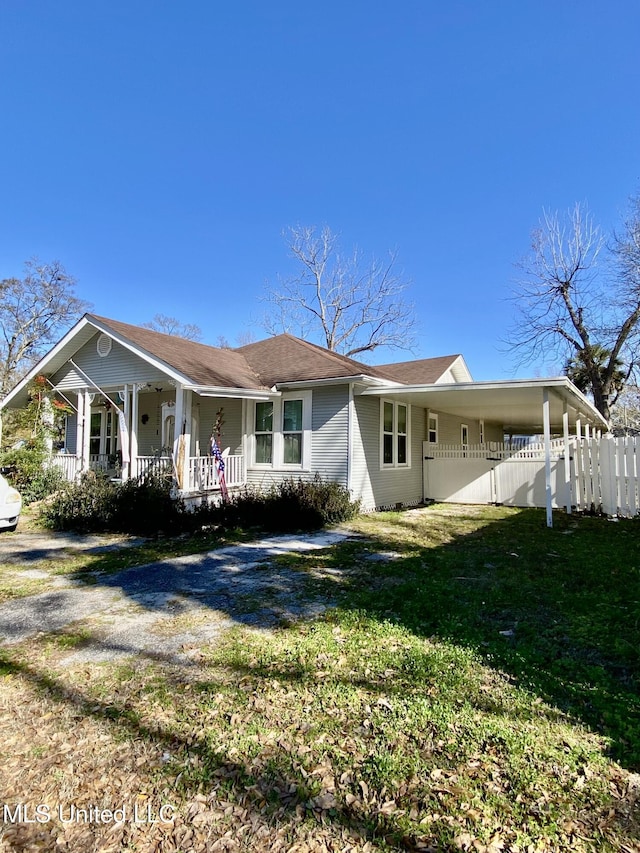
{"points": [[130, 432], [203, 473]]}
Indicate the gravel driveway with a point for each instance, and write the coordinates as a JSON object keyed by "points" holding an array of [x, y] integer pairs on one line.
{"points": [[163, 610]]}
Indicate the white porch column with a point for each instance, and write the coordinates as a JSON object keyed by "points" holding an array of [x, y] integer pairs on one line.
{"points": [[178, 459], [80, 430], [579, 428], [567, 457], [86, 432], [133, 433], [546, 424], [188, 405], [126, 407]]}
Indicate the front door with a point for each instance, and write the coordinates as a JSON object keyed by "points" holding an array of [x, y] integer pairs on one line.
{"points": [[102, 437]]}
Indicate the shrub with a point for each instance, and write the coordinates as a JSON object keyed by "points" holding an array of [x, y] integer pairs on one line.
{"points": [[149, 507], [95, 504], [286, 506], [28, 472]]}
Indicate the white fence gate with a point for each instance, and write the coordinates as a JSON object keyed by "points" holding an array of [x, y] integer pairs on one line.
{"points": [[602, 474], [495, 473]]}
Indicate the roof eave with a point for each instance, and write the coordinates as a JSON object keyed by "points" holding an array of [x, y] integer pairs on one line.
{"points": [[156, 362], [361, 378], [237, 393], [41, 365], [560, 384]]}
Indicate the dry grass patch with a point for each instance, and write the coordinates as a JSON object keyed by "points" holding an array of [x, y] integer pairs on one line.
{"points": [[404, 719]]}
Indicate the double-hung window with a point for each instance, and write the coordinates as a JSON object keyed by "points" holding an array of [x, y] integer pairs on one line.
{"points": [[395, 435], [264, 433], [282, 431], [432, 428], [292, 432]]}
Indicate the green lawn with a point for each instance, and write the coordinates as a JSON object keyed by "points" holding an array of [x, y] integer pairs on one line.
{"points": [[475, 688]]}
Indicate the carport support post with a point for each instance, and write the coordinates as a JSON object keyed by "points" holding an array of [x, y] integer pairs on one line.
{"points": [[546, 425], [567, 456]]}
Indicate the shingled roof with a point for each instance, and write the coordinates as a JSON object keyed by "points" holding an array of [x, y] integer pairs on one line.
{"points": [[285, 358], [263, 364], [423, 371], [202, 364]]}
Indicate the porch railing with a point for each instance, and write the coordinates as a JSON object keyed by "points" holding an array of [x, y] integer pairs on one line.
{"points": [[68, 464], [203, 476], [153, 466], [104, 462]]}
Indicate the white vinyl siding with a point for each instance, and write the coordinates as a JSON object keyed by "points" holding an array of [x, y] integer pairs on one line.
{"points": [[204, 411], [450, 429], [395, 434], [328, 441], [384, 486], [112, 371]]}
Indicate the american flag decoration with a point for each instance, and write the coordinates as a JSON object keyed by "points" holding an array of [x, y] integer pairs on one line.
{"points": [[219, 463]]}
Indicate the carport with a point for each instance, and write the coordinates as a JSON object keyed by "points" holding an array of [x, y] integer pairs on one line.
{"points": [[553, 408]]}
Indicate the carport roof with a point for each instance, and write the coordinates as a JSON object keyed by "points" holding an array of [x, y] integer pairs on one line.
{"points": [[516, 404]]}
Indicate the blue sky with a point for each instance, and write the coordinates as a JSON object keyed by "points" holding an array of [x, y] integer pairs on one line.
{"points": [[159, 149]]}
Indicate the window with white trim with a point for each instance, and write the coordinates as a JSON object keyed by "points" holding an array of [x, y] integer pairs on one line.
{"points": [[292, 432], [394, 434], [282, 432], [432, 428], [264, 433], [464, 437]]}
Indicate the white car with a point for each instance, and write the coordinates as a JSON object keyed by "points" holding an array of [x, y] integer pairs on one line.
{"points": [[10, 505]]}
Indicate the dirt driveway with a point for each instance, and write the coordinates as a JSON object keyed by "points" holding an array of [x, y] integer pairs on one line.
{"points": [[165, 609]]}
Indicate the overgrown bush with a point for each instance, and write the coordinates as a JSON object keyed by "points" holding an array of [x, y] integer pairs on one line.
{"points": [[95, 504], [286, 506], [29, 474]]}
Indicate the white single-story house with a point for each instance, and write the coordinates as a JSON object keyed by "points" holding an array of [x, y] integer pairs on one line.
{"points": [[286, 407]]}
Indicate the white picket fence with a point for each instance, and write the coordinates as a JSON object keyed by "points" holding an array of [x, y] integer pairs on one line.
{"points": [[602, 474], [606, 475]]}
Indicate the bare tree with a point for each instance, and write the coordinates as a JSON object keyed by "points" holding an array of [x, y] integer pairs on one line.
{"points": [[625, 413], [352, 305], [578, 301], [33, 312], [172, 326], [242, 338]]}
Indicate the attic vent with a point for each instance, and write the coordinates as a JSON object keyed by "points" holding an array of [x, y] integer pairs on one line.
{"points": [[104, 345]]}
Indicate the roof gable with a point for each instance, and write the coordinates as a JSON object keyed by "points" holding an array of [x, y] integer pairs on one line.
{"points": [[200, 364], [427, 371]]}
